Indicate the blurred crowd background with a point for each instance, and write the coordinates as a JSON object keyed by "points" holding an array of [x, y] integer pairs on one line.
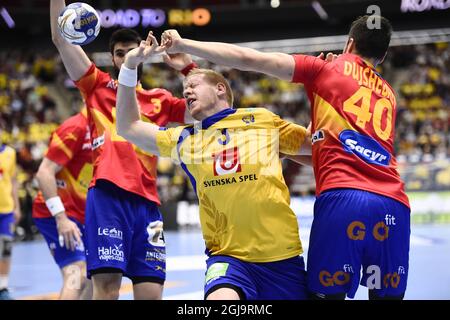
{"points": [[36, 96]]}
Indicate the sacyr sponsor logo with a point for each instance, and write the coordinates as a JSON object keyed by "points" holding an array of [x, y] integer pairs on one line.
{"points": [[364, 147], [111, 253]]}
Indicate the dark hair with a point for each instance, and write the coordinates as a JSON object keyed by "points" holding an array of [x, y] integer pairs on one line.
{"points": [[123, 35], [372, 35]]}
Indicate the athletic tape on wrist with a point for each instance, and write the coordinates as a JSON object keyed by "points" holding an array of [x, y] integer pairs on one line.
{"points": [[55, 205], [128, 77]]}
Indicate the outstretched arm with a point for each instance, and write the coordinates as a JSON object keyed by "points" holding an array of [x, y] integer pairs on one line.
{"points": [[74, 58], [128, 121], [275, 64]]}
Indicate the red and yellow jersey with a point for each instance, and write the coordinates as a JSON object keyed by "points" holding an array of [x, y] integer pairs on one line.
{"points": [[115, 159], [353, 125], [70, 147], [7, 174]]}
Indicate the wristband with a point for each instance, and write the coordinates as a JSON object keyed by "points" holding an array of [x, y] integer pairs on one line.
{"points": [[188, 68], [55, 205], [128, 77]]}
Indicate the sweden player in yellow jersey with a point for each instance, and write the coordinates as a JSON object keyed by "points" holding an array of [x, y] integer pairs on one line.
{"points": [[232, 159], [9, 213]]}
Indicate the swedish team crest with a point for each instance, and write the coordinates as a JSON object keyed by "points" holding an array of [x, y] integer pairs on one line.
{"points": [[248, 119]]}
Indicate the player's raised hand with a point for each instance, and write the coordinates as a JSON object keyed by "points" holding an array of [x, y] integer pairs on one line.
{"points": [[147, 48], [330, 57], [171, 41], [178, 61]]}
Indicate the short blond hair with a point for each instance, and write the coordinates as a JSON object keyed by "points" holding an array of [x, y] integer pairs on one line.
{"points": [[214, 78]]}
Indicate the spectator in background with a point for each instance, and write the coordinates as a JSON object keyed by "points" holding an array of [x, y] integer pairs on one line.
{"points": [[10, 213]]}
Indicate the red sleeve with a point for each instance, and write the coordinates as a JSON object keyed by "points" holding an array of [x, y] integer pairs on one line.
{"points": [[66, 141], [306, 68], [177, 110]]}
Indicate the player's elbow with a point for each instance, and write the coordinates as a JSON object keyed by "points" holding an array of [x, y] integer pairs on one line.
{"points": [[42, 172], [57, 40], [125, 130], [122, 129]]}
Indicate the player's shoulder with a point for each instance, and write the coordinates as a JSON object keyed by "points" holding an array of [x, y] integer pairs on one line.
{"points": [[74, 120], [252, 116], [179, 129], [253, 111], [95, 71], [74, 123]]}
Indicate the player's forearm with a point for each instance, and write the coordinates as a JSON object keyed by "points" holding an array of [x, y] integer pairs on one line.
{"points": [[129, 124], [74, 58], [219, 53], [46, 178], [127, 110], [56, 7], [274, 64]]}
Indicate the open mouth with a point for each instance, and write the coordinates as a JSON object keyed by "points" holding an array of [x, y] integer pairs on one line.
{"points": [[190, 101]]}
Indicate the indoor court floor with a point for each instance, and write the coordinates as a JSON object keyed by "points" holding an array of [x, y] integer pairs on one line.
{"points": [[34, 275]]}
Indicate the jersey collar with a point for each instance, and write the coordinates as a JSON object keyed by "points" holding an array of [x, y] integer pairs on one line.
{"points": [[209, 121]]}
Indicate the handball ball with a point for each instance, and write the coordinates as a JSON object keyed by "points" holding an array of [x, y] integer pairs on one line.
{"points": [[79, 23]]}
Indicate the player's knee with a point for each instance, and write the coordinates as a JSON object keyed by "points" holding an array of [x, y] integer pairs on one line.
{"points": [[5, 247], [107, 285], [374, 296], [320, 296], [105, 291]]}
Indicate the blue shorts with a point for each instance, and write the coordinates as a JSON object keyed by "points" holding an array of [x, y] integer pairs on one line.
{"points": [[7, 225], [63, 256], [124, 231], [280, 280], [353, 229]]}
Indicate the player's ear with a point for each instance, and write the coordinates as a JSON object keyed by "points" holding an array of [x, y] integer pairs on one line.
{"points": [[221, 90], [112, 60], [349, 46], [382, 59]]}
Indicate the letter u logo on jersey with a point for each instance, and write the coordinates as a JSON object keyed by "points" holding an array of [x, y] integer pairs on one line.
{"points": [[227, 162]]}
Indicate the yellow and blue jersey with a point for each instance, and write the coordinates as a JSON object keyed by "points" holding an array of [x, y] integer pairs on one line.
{"points": [[7, 173], [232, 160]]}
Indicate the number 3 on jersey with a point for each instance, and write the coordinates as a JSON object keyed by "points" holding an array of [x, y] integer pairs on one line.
{"points": [[363, 114]]}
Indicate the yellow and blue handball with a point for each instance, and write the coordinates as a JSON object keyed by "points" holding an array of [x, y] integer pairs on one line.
{"points": [[79, 23]]}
